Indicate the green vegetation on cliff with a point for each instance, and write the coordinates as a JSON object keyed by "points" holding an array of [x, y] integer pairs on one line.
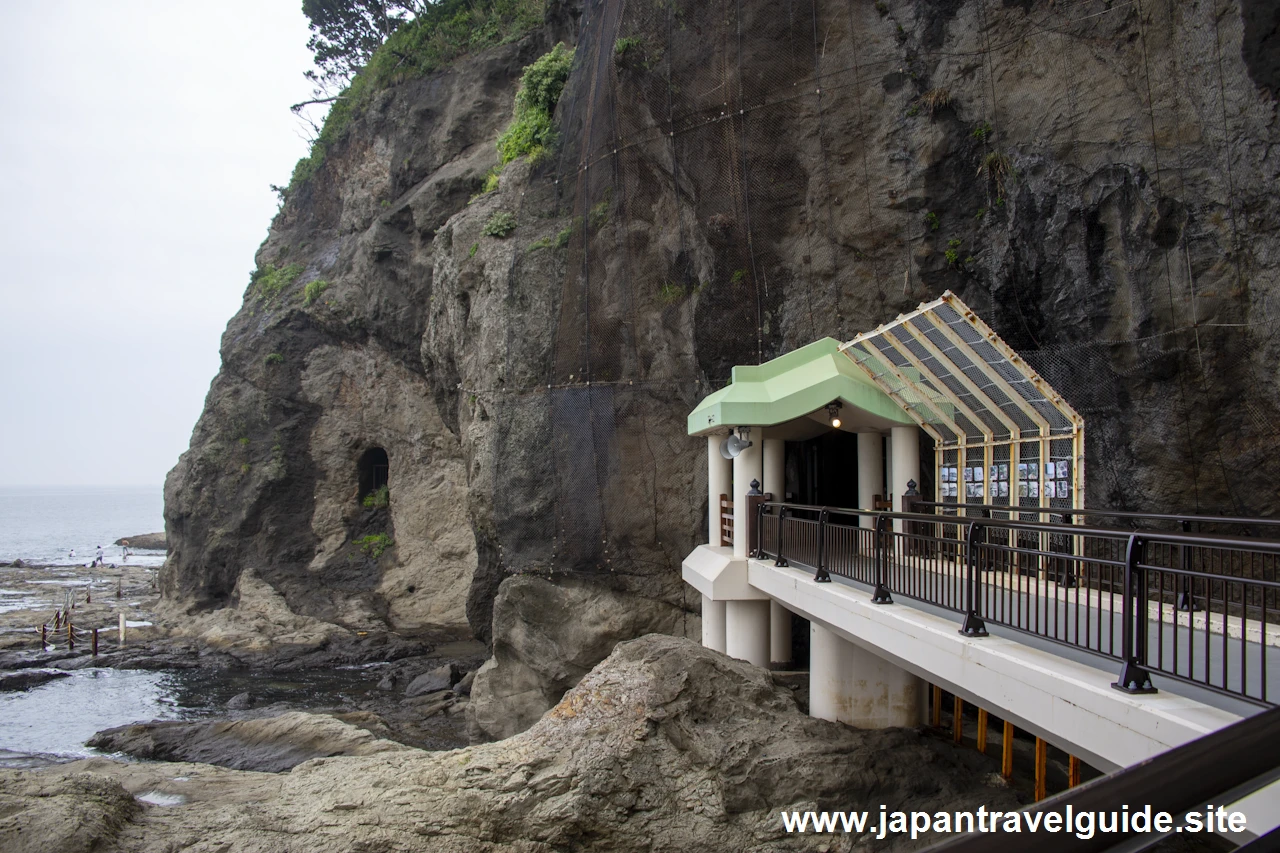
{"points": [[271, 280], [374, 544], [437, 36], [531, 131]]}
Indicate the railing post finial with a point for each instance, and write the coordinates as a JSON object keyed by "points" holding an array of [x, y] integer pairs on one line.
{"points": [[973, 625], [1134, 677], [881, 594], [822, 575]]}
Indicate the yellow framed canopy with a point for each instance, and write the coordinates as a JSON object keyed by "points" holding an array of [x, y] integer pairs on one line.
{"points": [[1001, 434], [1007, 438]]}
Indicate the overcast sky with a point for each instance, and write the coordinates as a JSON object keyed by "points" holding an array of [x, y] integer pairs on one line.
{"points": [[138, 141]]}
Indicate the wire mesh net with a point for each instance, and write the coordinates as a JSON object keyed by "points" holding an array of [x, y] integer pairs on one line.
{"points": [[738, 181]]}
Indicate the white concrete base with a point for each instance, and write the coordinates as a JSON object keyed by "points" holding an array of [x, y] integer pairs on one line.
{"points": [[906, 466], [870, 473], [713, 636], [714, 572], [848, 684], [1070, 704], [779, 633], [747, 631], [719, 482], [747, 466]]}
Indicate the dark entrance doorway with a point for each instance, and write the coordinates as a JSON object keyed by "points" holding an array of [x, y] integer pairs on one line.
{"points": [[373, 470], [823, 471]]}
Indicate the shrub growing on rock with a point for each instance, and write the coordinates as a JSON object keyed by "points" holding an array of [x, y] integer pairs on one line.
{"points": [[531, 130], [499, 225]]}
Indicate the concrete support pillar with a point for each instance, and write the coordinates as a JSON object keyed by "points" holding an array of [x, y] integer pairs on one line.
{"points": [[746, 467], [849, 684], [870, 472], [779, 634], [906, 464], [719, 482], [774, 481], [746, 631], [713, 624]]}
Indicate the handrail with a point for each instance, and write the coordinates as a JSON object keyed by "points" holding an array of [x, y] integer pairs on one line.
{"points": [[1108, 513], [1092, 588], [1221, 767], [1173, 537]]}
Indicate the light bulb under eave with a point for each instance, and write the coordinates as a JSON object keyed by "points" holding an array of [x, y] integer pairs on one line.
{"points": [[835, 422]]}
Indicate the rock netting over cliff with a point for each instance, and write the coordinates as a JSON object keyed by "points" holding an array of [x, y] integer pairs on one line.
{"points": [[1096, 179]]}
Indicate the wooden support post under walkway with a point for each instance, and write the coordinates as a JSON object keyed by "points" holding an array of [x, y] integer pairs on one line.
{"points": [[1006, 756], [1042, 762]]}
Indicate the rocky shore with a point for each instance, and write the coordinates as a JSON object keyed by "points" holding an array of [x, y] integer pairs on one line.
{"points": [[663, 746], [95, 597], [145, 542]]}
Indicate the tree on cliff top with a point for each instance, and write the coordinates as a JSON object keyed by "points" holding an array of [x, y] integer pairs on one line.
{"points": [[345, 33], [363, 46]]}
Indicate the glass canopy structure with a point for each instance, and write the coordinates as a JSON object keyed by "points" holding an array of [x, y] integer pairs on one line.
{"points": [[1002, 435]]}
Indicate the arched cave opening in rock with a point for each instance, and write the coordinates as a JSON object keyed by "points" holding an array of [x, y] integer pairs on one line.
{"points": [[373, 470]]}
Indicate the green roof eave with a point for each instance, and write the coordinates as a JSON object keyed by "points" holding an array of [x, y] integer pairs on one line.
{"points": [[792, 386]]}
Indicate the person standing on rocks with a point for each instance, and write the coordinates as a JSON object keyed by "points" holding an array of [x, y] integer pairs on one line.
{"points": [[97, 560]]}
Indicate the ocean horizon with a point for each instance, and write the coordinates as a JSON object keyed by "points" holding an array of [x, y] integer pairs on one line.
{"points": [[44, 524]]}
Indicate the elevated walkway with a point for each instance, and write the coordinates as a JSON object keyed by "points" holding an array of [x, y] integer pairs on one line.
{"points": [[1114, 645], [1068, 703]]}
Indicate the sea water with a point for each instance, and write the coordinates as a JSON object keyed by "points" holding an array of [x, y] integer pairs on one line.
{"points": [[41, 525], [50, 723], [44, 524]]}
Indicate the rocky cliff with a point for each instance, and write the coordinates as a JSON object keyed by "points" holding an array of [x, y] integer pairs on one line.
{"points": [[732, 181]]}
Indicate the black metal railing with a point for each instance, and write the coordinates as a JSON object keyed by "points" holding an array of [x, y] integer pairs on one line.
{"points": [[1148, 599], [1220, 768], [1265, 528]]}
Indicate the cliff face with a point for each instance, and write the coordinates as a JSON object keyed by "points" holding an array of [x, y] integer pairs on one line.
{"points": [[733, 181]]}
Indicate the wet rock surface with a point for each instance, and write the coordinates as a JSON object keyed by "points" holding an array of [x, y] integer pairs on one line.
{"points": [[271, 744], [664, 746], [441, 678], [28, 678], [145, 542]]}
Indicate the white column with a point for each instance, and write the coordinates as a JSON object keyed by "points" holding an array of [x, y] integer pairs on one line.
{"points": [[779, 634], [887, 456], [713, 624], [870, 472], [848, 684], [775, 454], [746, 631], [719, 482], [906, 464], [746, 467]]}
